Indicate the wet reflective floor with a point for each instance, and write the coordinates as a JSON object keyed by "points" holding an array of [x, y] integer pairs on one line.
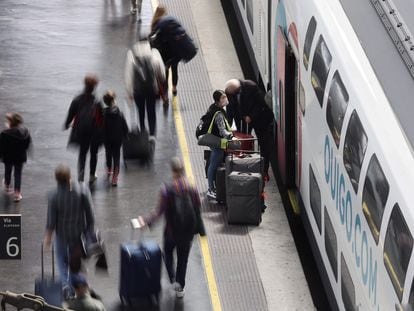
{"points": [[46, 47]]}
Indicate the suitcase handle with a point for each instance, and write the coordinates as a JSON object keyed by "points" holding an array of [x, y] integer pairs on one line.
{"points": [[53, 262], [135, 226]]}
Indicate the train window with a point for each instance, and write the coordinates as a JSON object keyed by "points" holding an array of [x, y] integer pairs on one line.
{"points": [[331, 244], [356, 142], [347, 287], [315, 198], [336, 107], [374, 196], [302, 103], [320, 68], [310, 33], [397, 250]]}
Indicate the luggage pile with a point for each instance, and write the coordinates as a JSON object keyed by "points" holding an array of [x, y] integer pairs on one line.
{"points": [[239, 184]]}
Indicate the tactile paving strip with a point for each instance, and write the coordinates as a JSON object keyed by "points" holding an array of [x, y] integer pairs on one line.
{"points": [[237, 276]]}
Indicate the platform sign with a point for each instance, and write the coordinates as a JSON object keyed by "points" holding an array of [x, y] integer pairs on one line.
{"points": [[10, 236]]}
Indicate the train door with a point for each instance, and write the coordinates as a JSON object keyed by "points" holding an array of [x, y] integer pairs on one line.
{"points": [[287, 75]]}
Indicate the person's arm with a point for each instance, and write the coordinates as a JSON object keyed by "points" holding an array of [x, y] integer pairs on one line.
{"points": [[71, 113], [159, 70], [125, 128], [160, 210], [129, 74], [86, 200], [220, 123], [51, 220]]}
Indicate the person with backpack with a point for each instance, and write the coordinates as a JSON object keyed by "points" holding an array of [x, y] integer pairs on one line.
{"points": [[115, 131], [171, 39], [180, 205], [219, 127], [85, 116], [14, 144], [145, 81]]}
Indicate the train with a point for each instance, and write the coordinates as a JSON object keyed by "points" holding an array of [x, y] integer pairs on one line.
{"points": [[340, 73]]}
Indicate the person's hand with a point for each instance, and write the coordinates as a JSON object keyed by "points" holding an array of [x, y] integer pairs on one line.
{"points": [[141, 221], [47, 241], [247, 119]]}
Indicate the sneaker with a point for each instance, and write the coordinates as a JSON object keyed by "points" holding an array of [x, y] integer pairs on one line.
{"points": [[179, 292], [17, 197], [211, 194], [133, 11]]}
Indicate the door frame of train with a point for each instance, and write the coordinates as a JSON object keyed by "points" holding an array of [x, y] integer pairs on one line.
{"points": [[287, 77]]}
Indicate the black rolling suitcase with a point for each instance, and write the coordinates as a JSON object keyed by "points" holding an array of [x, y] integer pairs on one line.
{"points": [[244, 201], [251, 163], [140, 271], [137, 145], [47, 287], [221, 184]]}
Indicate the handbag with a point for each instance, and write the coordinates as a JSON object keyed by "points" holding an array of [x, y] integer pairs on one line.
{"points": [[209, 140], [92, 243]]}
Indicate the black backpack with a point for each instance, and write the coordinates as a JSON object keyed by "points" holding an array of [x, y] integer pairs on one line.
{"points": [[143, 75], [184, 221], [206, 120]]}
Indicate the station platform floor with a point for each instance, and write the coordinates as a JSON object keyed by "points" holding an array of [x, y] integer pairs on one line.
{"points": [[47, 47]]}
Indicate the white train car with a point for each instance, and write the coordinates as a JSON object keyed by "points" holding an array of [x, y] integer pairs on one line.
{"points": [[343, 96]]}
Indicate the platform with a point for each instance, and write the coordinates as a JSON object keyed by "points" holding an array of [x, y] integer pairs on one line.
{"points": [[47, 47]]}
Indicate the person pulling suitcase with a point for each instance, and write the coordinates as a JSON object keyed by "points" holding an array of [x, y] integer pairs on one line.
{"points": [[180, 205]]}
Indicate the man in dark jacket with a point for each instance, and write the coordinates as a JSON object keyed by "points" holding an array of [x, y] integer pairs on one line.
{"points": [[248, 101], [69, 214], [14, 143], [115, 130], [85, 115], [175, 237]]}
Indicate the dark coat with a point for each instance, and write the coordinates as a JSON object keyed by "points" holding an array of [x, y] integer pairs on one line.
{"points": [[166, 34], [85, 112], [14, 143], [115, 126], [251, 103]]}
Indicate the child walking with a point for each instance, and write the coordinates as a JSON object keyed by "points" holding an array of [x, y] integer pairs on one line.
{"points": [[115, 130], [15, 140]]}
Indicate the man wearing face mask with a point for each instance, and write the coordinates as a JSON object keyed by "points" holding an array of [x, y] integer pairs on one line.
{"points": [[222, 129], [248, 102]]}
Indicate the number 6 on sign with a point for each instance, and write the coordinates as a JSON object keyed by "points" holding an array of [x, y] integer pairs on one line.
{"points": [[10, 236], [10, 246]]}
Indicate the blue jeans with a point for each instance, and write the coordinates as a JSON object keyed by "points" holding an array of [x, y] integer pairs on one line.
{"points": [[62, 251], [216, 158]]}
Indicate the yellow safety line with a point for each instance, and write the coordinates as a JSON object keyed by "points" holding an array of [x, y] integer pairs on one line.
{"points": [[205, 249], [294, 202]]}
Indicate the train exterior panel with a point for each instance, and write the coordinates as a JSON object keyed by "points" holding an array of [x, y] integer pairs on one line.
{"points": [[342, 147]]}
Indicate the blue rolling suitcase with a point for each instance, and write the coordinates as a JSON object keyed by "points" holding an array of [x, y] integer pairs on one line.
{"points": [[140, 271], [47, 287]]}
